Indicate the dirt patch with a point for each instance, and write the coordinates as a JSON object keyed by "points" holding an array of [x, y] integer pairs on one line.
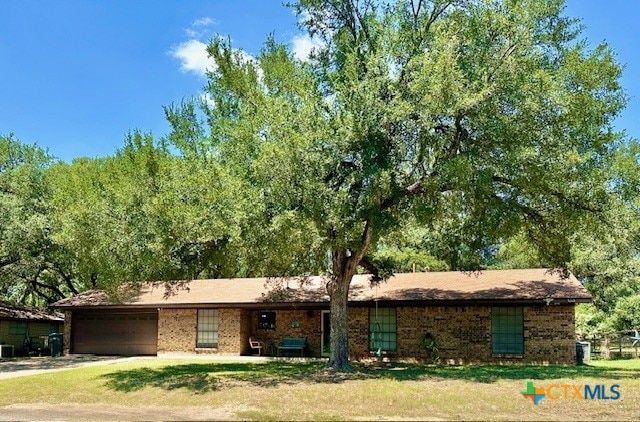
{"points": [[72, 412]]}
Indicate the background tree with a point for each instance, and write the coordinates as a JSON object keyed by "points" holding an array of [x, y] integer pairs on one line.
{"points": [[145, 214], [606, 255], [24, 223], [488, 117], [408, 248]]}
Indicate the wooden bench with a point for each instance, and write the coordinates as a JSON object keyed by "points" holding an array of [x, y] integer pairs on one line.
{"points": [[293, 343]]}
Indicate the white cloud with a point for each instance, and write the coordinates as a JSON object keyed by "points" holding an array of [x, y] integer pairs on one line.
{"points": [[303, 45], [193, 57], [206, 21], [207, 99], [200, 27]]}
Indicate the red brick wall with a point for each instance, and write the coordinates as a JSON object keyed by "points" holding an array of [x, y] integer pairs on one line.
{"points": [[230, 332], [359, 333], [66, 338], [550, 334], [463, 333], [308, 325], [245, 331], [177, 330]]}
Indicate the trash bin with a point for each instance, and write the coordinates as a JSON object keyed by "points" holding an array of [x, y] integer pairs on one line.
{"points": [[586, 351], [55, 344], [579, 353], [583, 352]]}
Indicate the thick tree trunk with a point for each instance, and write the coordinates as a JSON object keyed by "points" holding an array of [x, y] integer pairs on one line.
{"points": [[339, 340], [344, 264]]}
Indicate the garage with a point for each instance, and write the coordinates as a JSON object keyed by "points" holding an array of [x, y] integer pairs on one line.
{"points": [[115, 333]]}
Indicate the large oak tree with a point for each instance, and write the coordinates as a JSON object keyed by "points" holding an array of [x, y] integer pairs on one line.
{"points": [[488, 116]]}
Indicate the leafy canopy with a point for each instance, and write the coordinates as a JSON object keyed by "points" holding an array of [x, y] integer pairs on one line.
{"points": [[488, 118]]}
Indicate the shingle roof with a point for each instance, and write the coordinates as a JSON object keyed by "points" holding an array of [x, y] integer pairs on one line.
{"points": [[26, 313], [436, 287]]}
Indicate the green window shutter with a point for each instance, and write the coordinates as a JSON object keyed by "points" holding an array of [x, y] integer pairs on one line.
{"points": [[507, 330]]}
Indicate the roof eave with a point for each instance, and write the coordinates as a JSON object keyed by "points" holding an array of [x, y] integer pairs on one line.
{"points": [[324, 304]]}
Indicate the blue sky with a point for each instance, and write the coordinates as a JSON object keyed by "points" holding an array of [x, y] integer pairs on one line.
{"points": [[76, 76]]}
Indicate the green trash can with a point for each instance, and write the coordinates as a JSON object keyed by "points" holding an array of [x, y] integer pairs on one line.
{"points": [[55, 344]]}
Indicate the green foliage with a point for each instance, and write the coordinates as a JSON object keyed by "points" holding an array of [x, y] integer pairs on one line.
{"points": [[517, 252], [24, 222], [145, 214], [142, 214], [409, 260], [626, 315], [420, 134], [605, 257], [476, 120], [408, 112], [590, 320]]}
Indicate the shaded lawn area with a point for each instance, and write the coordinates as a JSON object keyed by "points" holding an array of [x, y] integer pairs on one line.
{"points": [[204, 377], [276, 390]]}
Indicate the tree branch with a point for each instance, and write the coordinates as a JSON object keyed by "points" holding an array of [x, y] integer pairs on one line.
{"points": [[376, 272], [508, 52], [53, 289], [416, 12], [8, 261], [560, 195], [417, 188], [436, 13], [363, 26], [366, 237], [35, 284], [67, 278]]}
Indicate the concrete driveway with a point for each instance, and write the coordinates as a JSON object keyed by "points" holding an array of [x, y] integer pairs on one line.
{"points": [[22, 367]]}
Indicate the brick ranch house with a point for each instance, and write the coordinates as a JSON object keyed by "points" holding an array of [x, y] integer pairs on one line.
{"points": [[19, 323], [493, 316]]}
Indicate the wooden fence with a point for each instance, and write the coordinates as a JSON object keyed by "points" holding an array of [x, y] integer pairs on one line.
{"points": [[614, 345]]}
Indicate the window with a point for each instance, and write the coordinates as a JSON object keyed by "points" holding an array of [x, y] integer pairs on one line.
{"points": [[507, 330], [382, 329], [208, 323], [267, 320], [17, 328]]}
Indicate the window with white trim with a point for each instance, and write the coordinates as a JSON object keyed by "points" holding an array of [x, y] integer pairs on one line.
{"points": [[208, 323]]}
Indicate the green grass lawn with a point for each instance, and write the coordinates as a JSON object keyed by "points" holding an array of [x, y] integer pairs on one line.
{"points": [[305, 390]]}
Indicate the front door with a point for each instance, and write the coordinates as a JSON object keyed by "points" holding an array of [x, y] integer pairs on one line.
{"points": [[325, 339]]}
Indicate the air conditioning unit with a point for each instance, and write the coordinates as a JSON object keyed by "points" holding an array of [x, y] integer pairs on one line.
{"points": [[6, 351]]}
